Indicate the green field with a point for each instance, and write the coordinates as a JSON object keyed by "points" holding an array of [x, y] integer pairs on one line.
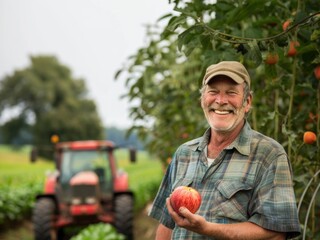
{"points": [[146, 169], [15, 167]]}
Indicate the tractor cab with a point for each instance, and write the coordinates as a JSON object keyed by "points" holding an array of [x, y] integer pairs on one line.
{"points": [[74, 162]]}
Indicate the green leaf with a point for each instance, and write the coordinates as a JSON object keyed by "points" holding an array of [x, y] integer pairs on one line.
{"points": [[271, 71], [253, 57], [299, 17], [175, 22], [190, 46], [185, 12], [245, 10], [315, 35], [190, 38]]}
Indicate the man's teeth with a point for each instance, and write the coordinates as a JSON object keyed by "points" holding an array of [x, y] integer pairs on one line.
{"points": [[221, 112]]}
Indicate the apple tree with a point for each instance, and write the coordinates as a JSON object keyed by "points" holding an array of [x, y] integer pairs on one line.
{"points": [[278, 41]]}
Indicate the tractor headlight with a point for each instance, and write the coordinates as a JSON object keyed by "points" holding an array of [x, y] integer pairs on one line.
{"points": [[76, 201], [90, 200]]}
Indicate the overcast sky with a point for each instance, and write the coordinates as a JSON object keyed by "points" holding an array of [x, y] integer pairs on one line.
{"points": [[93, 38]]}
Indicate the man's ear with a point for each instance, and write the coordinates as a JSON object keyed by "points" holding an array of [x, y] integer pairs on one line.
{"points": [[248, 103]]}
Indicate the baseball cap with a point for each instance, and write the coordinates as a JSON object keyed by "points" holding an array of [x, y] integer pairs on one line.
{"points": [[235, 70]]}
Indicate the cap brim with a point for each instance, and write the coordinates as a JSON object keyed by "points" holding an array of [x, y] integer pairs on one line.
{"points": [[229, 74]]}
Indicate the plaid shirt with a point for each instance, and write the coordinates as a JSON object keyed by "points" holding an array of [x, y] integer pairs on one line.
{"points": [[251, 180]]}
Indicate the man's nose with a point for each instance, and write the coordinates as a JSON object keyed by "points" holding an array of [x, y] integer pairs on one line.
{"points": [[221, 99]]}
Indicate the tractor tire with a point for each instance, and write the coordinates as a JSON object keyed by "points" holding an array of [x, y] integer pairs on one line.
{"points": [[43, 219], [124, 215]]}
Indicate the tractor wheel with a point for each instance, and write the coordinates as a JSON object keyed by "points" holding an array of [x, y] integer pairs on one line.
{"points": [[43, 218], [124, 215]]}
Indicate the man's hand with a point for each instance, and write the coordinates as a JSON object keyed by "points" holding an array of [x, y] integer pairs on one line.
{"points": [[186, 219]]}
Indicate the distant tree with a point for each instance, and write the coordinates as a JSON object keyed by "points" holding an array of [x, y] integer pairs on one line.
{"points": [[48, 101], [15, 131], [121, 137]]}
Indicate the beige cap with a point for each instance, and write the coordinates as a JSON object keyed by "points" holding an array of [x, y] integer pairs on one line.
{"points": [[232, 69]]}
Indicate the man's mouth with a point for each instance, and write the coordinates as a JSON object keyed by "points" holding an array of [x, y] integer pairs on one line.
{"points": [[221, 111]]}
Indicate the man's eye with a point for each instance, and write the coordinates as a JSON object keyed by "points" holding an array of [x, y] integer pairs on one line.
{"points": [[213, 91]]}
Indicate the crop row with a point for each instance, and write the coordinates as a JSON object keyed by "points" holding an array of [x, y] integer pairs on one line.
{"points": [[16, 202]]}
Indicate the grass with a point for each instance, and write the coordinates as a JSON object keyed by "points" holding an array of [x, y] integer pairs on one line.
{"points": [[15, 166], [146, 168]]}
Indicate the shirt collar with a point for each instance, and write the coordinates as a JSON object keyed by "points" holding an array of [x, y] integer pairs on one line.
{"points": [[241, 143]]}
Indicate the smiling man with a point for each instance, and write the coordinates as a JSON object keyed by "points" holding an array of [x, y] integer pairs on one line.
{"points": [[243, 176]]}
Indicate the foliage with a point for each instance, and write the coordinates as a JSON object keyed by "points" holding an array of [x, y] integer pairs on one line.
{"points": [[48, 100], [16, 202], [167, 94], [20, 182], [99, 231], [164, 77]]}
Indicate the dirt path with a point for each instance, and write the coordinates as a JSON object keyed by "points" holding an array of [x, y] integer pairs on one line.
{"points": [[144, 226], [144, 229]]}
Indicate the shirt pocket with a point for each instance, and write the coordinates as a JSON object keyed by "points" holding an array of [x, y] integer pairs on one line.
{"points": [[229, 188], [231, 201]]}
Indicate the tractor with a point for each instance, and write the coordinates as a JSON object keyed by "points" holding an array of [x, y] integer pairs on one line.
{"points": [[86, 188]]}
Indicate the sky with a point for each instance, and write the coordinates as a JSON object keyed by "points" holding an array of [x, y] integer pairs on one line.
{"points": [[94, 38]]}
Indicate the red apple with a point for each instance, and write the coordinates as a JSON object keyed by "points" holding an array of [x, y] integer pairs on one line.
{"points": [[184, 196], [292, 51], [286, 24], [317, 72]]}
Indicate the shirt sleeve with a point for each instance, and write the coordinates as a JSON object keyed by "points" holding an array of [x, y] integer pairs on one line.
{"points": [[159, 210], [274, 204]]}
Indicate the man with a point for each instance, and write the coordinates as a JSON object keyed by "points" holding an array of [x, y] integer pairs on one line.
{"points": [[244, 177]]}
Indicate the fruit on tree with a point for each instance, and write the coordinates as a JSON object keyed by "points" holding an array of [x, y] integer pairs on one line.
{"points": [[187, 197], [292, 51], [317, 72], [309, 137], [286, 24], [272, 58]]}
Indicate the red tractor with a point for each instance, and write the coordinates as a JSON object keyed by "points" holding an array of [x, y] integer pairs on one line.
{"points": [[87, 188]]}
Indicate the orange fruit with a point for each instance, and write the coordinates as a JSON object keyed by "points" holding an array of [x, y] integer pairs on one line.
{"points": [[286, 24], [272, 58], [292, 51], [309, 137], [317, 72]]}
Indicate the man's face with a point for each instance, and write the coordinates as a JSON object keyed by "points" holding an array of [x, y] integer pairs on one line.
{"points": [[223, 104]]}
